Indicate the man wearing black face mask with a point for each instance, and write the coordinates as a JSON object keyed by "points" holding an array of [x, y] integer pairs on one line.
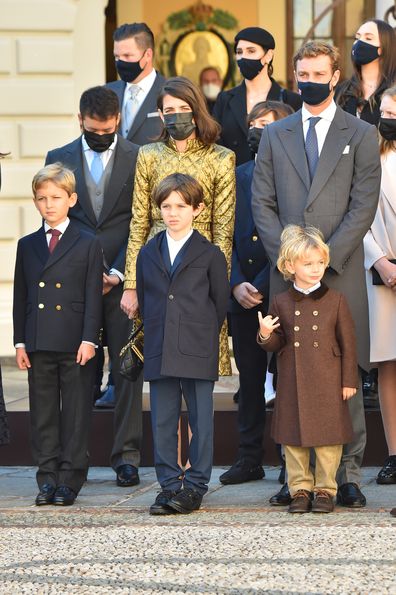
{"points": [[320, 166], [104, 166], [140, 84]]}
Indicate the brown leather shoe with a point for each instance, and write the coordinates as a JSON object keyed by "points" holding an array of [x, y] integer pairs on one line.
{"points": [[301, 502], [323, 502]]}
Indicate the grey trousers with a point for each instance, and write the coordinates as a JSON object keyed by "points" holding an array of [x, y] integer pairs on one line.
{"points": [[352, 454]]}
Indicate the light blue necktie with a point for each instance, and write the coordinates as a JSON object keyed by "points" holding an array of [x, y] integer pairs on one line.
{"points": [[96, 168], [311, 146]]}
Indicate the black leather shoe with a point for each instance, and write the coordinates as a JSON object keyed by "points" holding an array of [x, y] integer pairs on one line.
{"points": [[45, 495], [387, 475], [186, 501], [127, 475], [350, 495], [160, 505], [64, 496], [108, 398], [241, 472], [282, 498]]}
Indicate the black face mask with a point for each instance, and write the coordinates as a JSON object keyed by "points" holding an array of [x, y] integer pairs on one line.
{"points": [[128, 71], [314, 93], [179, 126], [249, 68], [254, 137], [363, 53], [387, 128], [98, 142]]}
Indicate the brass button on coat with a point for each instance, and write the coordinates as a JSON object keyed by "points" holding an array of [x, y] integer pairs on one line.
{"points": [[296, 328], [316, 344], [296, 344], [297, 312], [58, 307], [254, 238], [315, 327], [58, 285], [315, 312], [41, 284], [250, 261], [41, 306]]}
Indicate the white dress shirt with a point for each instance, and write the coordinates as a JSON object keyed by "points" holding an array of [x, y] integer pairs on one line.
{"points": [[322, 127], [145, 87], [174, 246], [309, 290]]}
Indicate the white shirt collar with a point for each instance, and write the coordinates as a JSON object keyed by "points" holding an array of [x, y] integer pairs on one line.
{"points": [[146, 83], [86, 147], [178, 243], [309, 290], [61, 227], [327, 114]]}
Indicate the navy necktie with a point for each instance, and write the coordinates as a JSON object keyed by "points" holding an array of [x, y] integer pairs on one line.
{"points": [[311, 146]]}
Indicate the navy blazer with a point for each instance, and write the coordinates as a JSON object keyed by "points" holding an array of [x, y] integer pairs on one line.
{"points": [[112, 228], [249, 259], [147, 125], [230, 111], [58, 296], [182, 312]]}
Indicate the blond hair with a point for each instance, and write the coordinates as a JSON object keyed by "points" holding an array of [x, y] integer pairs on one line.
{"points": [[58, 174], [296, 241], [312, 49], [388, 145]]}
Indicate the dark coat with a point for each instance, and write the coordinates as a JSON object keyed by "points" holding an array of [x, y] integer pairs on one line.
{"points": [[347, 100], [249, 260], [316, 358], [182, 313], [231, 111], [147, 125], [58, 296], [112, 228]]}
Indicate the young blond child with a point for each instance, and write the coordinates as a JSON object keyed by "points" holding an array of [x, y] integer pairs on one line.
{"points": [[311, 330]]}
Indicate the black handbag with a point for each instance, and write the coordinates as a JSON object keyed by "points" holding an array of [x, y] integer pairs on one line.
{"points": [[376, 277], [131, 356]]}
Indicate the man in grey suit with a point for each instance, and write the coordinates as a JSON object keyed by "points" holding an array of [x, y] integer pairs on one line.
{"points": [[320, 166], [104, 166], [140, 84]]}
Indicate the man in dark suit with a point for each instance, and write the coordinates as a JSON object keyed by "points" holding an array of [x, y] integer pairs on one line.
{"points": [[140, 84], [104, 165], [320, 166]]}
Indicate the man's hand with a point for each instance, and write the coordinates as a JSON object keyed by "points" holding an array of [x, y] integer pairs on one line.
{"points": [[348, 393], [267, 325], [247, 295], [22, 359], [129, 302], [85, 353], [109, 281]]}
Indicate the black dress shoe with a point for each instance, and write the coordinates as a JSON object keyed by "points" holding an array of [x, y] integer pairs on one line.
{"points": [[108, 398], [64, 496], [127, 475], [160, 505], [387, 475], [241, 472], [45, 495], [186, 501], [282, 498], [350, 495]]}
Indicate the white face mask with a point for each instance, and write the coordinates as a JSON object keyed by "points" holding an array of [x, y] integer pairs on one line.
{"points": [[211, 90]]}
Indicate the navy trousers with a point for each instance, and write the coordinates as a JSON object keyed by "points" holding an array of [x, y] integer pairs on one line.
{"points": [[166, 399]]}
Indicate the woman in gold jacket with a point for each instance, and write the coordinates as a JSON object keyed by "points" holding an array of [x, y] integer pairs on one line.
{"points": [[187, 145]]}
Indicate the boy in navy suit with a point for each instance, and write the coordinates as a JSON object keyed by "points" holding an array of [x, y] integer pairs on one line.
{"points": [[57, 318], [183, 294]]}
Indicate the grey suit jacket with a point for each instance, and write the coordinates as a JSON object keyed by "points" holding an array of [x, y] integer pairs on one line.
{"points": [[147, 125], [341, 201]]}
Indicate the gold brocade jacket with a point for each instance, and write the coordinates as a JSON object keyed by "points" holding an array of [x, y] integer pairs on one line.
{"points": [[214, 167]]}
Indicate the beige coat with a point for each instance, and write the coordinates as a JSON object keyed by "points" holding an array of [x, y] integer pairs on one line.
{"points": [[381, 241]]}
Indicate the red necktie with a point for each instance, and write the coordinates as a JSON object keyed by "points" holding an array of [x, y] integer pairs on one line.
{"points": [[55, 233]]}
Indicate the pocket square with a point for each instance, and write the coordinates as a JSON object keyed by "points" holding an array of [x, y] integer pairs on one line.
{"points": [[153, 115], [346, 150]]}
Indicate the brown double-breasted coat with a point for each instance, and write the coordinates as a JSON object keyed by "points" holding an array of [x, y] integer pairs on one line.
{"points": [[316, 357]]}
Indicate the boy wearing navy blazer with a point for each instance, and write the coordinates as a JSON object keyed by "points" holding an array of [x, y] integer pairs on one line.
{"points": [[57, 318], [183, 294]]}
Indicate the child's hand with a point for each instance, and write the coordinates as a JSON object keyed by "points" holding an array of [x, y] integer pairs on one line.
{"points": [[267, 324], [85, 353], [22, 359], [348, 393]]}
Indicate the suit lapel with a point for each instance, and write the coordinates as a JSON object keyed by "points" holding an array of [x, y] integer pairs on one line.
{"points": [[238, 106], [336, 140], [122, 166], [154, 251], [68, 239], [197, 246], [149, 105], [74, 160], [292, 139], [40, 245]]}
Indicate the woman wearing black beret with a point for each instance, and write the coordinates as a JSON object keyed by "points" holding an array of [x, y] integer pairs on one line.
{"points": [[254, 49]]}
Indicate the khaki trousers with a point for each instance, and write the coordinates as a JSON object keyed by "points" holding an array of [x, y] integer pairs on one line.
{"points": [[300, 477]]}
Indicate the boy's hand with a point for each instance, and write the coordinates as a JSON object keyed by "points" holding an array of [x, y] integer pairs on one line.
{"points": [[109, 281], [348, 393], [22, 359], [129, 302], [85, 353], [247, 295], [267, 324]]}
